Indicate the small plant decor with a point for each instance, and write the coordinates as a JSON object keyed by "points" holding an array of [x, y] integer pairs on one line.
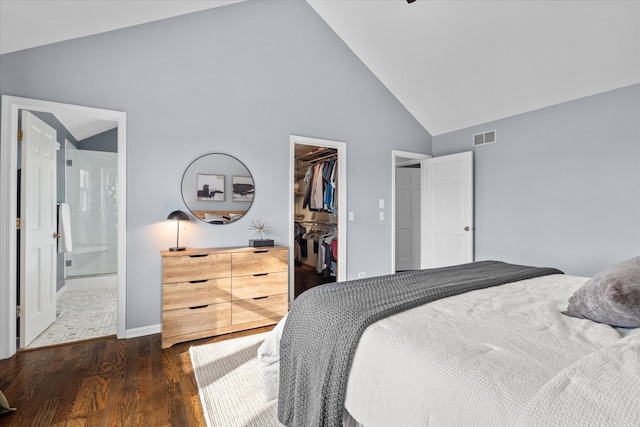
{"points": [[261, 229]]}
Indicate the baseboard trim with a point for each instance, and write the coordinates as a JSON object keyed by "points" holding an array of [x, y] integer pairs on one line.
{"points": [[145, 330], [89, 282], [61, 291]]}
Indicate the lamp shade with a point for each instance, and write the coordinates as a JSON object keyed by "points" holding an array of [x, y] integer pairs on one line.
{"points": [[179, 215]]}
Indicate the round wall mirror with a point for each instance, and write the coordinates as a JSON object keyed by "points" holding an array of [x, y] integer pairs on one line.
{"points": [[217, 188]]}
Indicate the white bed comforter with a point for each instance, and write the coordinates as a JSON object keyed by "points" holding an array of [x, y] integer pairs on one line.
{"points": [[601, 389], [484, 358]]}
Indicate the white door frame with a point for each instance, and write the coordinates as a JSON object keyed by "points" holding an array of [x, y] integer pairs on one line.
{"points": [[341, 148], [8, 189], [395, 162]]}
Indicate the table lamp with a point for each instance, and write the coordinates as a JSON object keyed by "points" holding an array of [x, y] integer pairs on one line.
{"points": [[178, 215]]}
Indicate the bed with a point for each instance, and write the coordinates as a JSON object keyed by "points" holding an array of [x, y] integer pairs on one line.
{"points": [[218, 217], [500, 355]]}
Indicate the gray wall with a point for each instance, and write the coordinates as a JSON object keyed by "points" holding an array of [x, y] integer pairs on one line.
{"points": [[561, 186], [106, 141], [238, 80]]}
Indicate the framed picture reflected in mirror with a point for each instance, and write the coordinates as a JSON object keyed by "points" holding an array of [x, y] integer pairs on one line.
{"points": [[210, 187], [242, 188]]}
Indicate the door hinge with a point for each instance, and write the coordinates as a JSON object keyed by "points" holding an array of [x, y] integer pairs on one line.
{"points": [[20, 134], [18, 311], [18, 223]]}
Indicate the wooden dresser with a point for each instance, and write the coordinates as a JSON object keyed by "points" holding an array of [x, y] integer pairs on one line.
{"points": [[207, 292]]}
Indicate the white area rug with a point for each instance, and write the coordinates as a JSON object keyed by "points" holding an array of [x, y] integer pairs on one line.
{"points": [[229, 383]]}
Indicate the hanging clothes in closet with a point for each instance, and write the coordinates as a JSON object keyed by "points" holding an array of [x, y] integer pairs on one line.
{"points": [[327, 257], [325, 246], [300, 243], [321, 185]]}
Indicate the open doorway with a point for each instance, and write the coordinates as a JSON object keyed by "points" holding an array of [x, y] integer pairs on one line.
{"points": [[10, 298], [317, 212], [407, 206], [84, 190]]}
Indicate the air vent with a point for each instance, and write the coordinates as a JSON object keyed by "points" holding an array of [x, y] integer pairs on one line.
{"points": [[484, 138]]}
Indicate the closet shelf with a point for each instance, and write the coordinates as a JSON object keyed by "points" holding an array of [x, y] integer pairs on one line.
{"points": [[321, 154]]}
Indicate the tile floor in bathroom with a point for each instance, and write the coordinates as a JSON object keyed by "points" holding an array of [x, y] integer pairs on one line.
{"points": [[81, 314]]}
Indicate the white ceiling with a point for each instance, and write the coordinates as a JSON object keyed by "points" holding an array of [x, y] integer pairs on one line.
{"points": [[27, 23], [452, 64], [84, 125]]}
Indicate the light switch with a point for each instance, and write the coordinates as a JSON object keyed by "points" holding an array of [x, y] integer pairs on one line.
{"points": [[381, 203], [351, 215]]}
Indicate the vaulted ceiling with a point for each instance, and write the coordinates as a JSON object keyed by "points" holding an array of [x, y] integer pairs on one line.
{"points": [[452, 64]]}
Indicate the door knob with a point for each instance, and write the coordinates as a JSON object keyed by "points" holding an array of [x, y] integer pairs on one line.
{"points": [[56, 235], [467, 228]]}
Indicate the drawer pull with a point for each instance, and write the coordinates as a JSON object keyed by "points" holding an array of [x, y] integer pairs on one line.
{"points": [[260, 252], [198, 281], [198, 255], [198, 307], [260, 274], [261, 297]]}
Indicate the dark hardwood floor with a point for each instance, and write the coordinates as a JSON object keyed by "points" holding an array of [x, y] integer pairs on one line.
{"points": [[306, 278], [105, 382]]}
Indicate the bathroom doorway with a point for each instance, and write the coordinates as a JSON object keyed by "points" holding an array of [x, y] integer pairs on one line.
{"points": [[12, 300], [87, 281]]}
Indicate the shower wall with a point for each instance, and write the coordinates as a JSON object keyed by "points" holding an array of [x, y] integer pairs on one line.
{"points": [[91, 188]]}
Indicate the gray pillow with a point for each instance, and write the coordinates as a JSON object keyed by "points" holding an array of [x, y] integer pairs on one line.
{"points": [[611, 296]]}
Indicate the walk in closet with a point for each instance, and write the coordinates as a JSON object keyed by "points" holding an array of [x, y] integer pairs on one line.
{"points": [[315, 216]]}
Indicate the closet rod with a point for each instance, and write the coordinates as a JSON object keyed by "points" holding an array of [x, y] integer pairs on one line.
{"points": [[317, 222], [321, 158]]}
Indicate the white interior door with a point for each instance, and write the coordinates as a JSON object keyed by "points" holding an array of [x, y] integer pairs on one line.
{"points": [[408, 218], [39, 224], [448, 207]]}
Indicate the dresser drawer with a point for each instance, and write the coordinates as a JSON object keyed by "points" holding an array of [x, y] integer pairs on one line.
{"points": [[214, 291], [259, 285], [195, 267], [250, 310], [259, 261], [185, 294], [190, 320]]}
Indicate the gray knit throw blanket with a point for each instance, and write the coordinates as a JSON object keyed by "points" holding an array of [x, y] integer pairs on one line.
{"points": [[325, 324]]}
